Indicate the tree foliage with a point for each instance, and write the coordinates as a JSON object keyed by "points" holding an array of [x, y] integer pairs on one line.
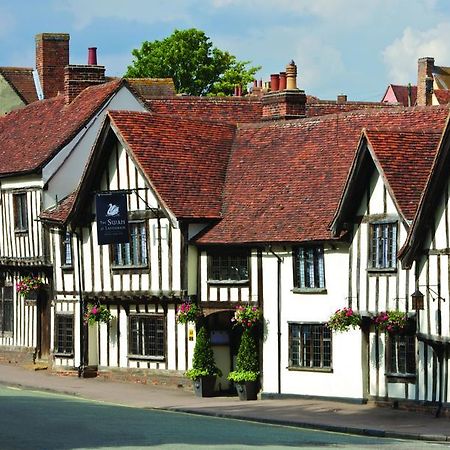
{"points": [[196, 67]]}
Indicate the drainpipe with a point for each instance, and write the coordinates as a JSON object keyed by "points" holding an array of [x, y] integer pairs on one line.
{"points": [[279, 261]]}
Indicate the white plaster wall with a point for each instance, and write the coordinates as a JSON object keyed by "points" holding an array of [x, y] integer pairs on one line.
{"points": [[64, 171]]}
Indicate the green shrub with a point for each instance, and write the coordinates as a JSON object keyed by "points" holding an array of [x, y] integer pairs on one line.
{"points": [[203, 362], [247, 360]]}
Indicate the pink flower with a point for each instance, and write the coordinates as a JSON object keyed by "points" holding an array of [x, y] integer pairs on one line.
{"points": [[94, 310]]}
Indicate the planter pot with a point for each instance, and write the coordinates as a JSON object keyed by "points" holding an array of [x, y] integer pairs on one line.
{"points": [[204, 386], [247, 390]]}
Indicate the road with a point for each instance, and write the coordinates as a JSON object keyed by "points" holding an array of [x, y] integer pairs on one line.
{"points": [[40, 420]]}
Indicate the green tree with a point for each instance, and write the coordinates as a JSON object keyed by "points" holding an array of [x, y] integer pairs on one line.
{"points": [[196, 67]]}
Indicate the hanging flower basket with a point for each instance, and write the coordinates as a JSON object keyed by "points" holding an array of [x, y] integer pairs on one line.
{"points": [[97, 313], [188, 312], [28, 286], [246, 316], [391, 321], [344, 319]]}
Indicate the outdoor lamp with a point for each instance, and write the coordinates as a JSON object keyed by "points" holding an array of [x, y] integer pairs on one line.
{"points": [[417, 300]]}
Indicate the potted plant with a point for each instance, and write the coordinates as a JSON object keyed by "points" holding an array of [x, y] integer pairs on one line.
{"points": [[246, 316], [204, 369], [246, 375], [97, 313], [29, 286], [391, 321], [344, 319], [188, 312]]}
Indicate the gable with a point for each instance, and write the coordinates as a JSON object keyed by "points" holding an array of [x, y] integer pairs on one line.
{"points": [[9, 99]]}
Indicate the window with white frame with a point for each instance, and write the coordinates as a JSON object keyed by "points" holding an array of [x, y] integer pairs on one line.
{"points": [[133, 253], [20, 212], [401, 355], [6, 309], [64, 334], [309, 346], [147, 336], [66, 249], [309, 267], [383, 245], [228, 266]]}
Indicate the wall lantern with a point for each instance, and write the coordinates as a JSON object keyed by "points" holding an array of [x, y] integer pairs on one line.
{"points": [[417, 300]]}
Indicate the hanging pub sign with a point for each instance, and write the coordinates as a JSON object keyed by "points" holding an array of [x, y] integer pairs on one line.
{"points": [[112, 218]]}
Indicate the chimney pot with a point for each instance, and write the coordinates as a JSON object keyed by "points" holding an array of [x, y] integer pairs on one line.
{"points": [[92, 56], [282, 85], [342, 98], [291, 76], [274, 82]]}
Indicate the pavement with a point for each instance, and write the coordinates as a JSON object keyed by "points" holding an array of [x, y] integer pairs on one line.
{"points": [[362, 419]]}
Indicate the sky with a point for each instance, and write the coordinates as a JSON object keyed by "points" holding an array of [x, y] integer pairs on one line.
{"points": [[350, 47]]}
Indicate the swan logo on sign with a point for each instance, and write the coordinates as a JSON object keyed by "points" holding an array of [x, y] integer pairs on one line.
{"points": [[112, 218], [113, 210]]}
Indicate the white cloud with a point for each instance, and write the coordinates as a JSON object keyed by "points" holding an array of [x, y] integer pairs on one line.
{"points": [[143, 11], [401, 56]]}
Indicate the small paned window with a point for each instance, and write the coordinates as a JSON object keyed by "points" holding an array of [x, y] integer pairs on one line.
{"points": [[64, 334], [309, 346], [133, 253], [309, 270], [147, 335], [66, 250], [6, 309], [228, 267], [402, 355], [20, 212], [383, 248]]}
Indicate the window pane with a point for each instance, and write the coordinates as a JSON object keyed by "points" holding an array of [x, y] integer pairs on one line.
{"points": [[147, 336], [133, 253], [64, 334], [309, 346], [402, 355], [310, 270], [384, 246], [228, 267]]}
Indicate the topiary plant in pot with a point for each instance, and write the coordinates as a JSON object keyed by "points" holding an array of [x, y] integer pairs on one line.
{"points": [[204, 369], [246, 375]]}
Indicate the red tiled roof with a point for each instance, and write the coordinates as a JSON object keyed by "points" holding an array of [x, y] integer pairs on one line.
{"points": [[221, 109], [21, 80], [405, 158], [324, 107], [61, 211], [401, 93], [185, 159], [442, 95], [32, 135], [148, 88], [284, 180]]}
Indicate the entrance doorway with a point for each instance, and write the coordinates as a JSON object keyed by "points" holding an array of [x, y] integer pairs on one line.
{"points": [[43, 325]]}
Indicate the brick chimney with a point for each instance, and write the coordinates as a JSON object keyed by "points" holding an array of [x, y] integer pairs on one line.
{"points": [[52, 55], [425, 81], [289, 103], [79, 77]]}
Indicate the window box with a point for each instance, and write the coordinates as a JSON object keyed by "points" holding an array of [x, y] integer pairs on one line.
{"points": [[309, 291]]}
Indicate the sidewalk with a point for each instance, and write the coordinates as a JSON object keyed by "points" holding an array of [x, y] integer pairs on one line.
{"points": [[316, 414]]}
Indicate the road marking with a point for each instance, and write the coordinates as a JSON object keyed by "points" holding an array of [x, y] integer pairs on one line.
{"points": [[13, 388]]}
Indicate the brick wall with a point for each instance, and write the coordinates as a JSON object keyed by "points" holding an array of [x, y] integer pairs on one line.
{"points": [[79, 77], [52, 55]]}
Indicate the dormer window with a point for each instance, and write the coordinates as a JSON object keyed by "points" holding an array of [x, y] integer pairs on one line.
{"points": [[383, 246], [20, 212]]}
